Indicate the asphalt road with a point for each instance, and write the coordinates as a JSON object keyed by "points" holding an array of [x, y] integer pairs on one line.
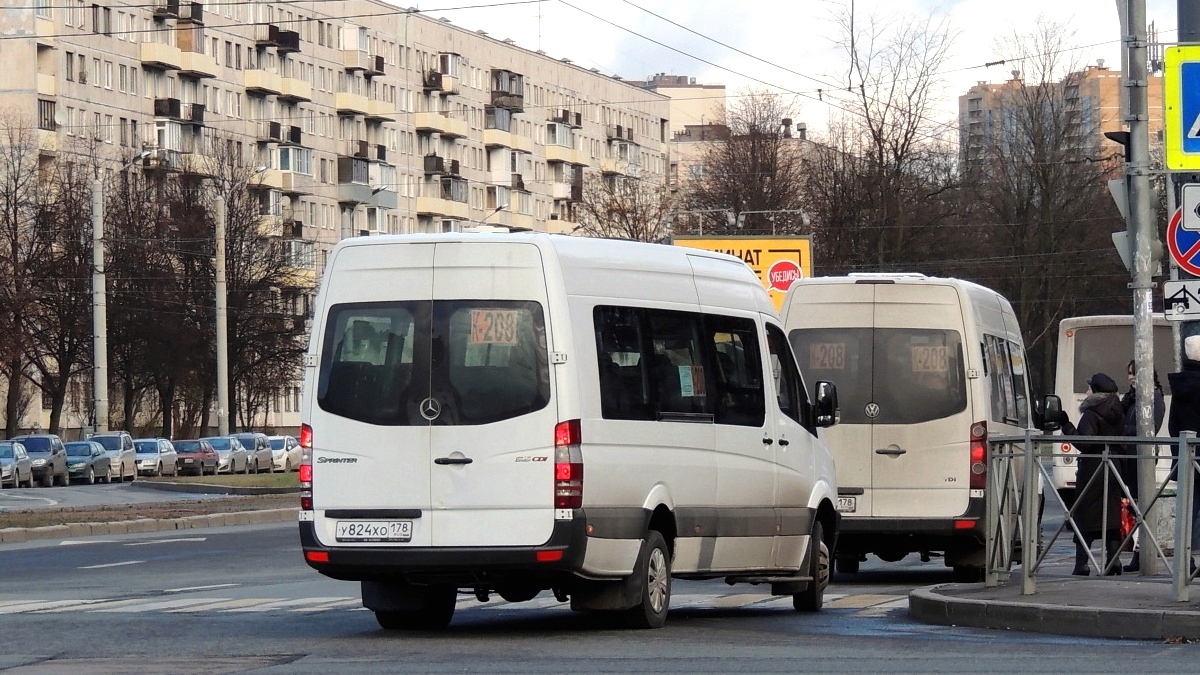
{"points": [[234, 600], [78, 495]]}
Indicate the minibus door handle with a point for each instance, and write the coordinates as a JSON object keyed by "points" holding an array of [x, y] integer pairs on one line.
{"points": [[768, 440], [443, 461], [890, 450]]}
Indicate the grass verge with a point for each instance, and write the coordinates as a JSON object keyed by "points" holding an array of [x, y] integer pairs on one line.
{"points": [[285, 479]]}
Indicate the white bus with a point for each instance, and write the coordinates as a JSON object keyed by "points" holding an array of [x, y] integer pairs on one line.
{"points": [[1102, 344]]}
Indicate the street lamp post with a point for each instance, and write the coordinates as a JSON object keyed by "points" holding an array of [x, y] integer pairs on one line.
{"points": [[100, 303]]}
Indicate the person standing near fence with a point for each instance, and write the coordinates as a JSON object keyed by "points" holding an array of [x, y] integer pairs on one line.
{"points": [[1129, 465], [1185, 416], [1100, 414]]}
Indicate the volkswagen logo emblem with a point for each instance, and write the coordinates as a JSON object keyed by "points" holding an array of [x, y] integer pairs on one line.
{"points": [[430, 408], [872, 410]]}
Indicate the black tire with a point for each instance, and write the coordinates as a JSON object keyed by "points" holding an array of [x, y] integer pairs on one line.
{"points": [[812, 598], [29, 480], [438, 610], [287, 464], [653, 571], [968, 575], [90, 478], [47, 480], [846, 563], [66, 479]]}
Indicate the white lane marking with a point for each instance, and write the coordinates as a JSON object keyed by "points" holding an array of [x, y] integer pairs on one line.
{"points": [[221, 604], [35, 606], [120, 564], [94, 606], [51, 502], [155, 606], [198, 588], [347, 603], [284, 604], [165, 541], [76, 542]]}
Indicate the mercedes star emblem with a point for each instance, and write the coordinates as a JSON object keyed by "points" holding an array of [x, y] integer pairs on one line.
{"points": [[872, 410], [430, 408]]}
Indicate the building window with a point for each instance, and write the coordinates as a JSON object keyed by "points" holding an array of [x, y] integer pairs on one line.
{"points": [[70, 66], [46, 115]]}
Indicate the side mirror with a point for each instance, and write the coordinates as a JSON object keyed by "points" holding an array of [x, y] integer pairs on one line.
{"points": [[827, 410], [1051, 413]]}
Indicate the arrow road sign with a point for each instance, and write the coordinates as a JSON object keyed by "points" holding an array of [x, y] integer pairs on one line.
{"points": [[1181, 300], [1191, 207]]}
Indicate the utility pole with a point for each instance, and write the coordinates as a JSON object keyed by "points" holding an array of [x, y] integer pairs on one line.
{"points": [[222, 319], [1141, 225], [99, 313]]}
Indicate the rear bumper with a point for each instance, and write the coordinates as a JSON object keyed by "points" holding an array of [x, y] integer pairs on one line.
{"points": [[869, 534], [461, 563]]}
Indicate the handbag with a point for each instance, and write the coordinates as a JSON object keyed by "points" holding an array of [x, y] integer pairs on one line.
{"points": [[1128, 523]]}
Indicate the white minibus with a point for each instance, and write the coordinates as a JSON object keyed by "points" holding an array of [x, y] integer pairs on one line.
{"points": [[508, 414], [926, 370], [1103, 344]]}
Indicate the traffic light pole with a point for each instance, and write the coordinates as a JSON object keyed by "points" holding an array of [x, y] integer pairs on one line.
{"points": [[1141, 226]]}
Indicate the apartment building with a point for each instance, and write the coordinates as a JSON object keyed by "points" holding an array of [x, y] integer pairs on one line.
{"points": [[1091, 101], [367, 118]]}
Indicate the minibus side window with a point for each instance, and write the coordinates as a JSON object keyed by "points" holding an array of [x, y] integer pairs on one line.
{"points": [[737, 377], [788, 388], [367, 361]]}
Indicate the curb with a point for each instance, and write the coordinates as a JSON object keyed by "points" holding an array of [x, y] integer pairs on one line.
{"points": [[19, 534], [927, 605], [205, 489]]}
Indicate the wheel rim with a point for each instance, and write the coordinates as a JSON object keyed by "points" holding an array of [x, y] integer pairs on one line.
{"points": [[656, 580], [823, 566]]}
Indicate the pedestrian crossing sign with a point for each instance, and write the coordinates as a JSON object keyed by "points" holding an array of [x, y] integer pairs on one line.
{"points": [[1181, 108]]}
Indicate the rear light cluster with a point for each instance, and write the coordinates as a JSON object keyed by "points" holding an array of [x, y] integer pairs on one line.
{"points": [[568, 465], [978, 455], [306, 469]]}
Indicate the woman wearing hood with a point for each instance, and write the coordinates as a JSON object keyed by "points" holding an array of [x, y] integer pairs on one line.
{"points": [[1185, 416], [1100, 414]]}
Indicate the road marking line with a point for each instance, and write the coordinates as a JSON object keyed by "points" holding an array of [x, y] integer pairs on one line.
{"points": [[536, 603], [154, 606], [282, 604], [41, 605], [862, 601], [221, 604], [119, 564], [76, 542], [199, 588], [165, 541], [347, 602], [51, 502]]}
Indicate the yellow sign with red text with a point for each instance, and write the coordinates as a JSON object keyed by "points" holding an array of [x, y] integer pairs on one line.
{"points": [[778, 261]]}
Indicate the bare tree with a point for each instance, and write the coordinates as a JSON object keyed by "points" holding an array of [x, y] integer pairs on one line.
{"points": [[24, 251], [753, 167], [624, 207]]}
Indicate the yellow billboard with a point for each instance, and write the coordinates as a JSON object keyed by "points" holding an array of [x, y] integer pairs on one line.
{"points": [[778, 261]]}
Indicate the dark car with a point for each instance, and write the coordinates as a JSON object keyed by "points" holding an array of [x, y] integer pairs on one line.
{"points": [[89, 462], [49, 458], [16, 469], [196, 456], [258, 449]]}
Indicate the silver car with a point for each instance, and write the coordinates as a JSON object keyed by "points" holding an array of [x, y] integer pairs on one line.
{"points": [[118, 445], [233, 458], [16, 468], [285, 453], [156, 457], [258, 447]]}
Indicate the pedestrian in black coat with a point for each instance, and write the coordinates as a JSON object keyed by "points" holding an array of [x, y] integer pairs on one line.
{"points": [[1100, 414], [1129, 465]]}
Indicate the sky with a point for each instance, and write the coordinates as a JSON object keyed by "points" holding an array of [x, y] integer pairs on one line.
{"points": [[787, 46]]}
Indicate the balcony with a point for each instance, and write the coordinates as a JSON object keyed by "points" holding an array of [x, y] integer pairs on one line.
{"points": [[191, 12], [159, 55], [270, 132], [271, 178], [289, 41], [357, 60], [375, 66], [436, 81], [47, 142], [380, 111], [359, 149], [574, 120], [504, 99], [293, 135], [557, 225], [162, 159], [567, 191], [46, 32], [446, 126], [354, 193], [294, 90], [263, 82], [351, 104], [558, 153], [166, 9], [193, 113], [293, 183], [380, 153], [195, 64], [47, 85], [618, 132], [266, 35], [434, 164], [436, 206], [517, 182], [498, 138], [168, 107], [610, 165]]}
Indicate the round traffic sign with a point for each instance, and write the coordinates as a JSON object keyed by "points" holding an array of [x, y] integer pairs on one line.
{"points": [[782, 273], [1183, 244]]}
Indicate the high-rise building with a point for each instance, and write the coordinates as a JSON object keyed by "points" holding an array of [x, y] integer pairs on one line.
{"points": [[367, 118]]}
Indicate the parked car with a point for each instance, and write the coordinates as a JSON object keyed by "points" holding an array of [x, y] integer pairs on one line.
{"points": [[88, 461], [285, 453], [156, 457], [16, 469], [258, 447], [232, 456], [49, 458], [196, 456], [121, 453]]}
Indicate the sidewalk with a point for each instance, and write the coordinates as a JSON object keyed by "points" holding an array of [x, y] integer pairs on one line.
{"points": [[1126, 606]]}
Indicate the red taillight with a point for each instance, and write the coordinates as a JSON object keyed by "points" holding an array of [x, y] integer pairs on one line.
{"points": [[548, 556], [306, 469], [978, 455], [568, 465], [316, 556], [964, 524]]}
